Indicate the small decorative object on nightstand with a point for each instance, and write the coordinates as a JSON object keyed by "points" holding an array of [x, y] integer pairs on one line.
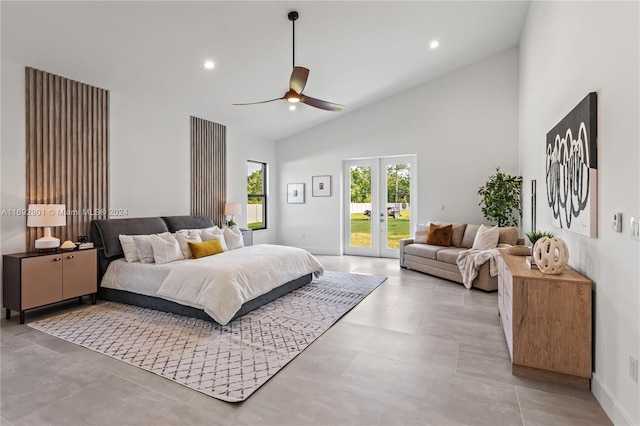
{"points": [[31, 280]]}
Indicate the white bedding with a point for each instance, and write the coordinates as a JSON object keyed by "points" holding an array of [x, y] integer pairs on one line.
{"points": [[219, 284], [136, 277]]}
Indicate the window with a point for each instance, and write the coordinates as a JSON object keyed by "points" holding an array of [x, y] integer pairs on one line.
{"points": [[256, 195]]}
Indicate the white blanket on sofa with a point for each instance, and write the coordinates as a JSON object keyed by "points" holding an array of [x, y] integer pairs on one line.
{"points": [[470, 261], [221, 284]]}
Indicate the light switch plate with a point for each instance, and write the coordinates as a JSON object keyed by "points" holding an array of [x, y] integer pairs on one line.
{"points": [[635, 228]]}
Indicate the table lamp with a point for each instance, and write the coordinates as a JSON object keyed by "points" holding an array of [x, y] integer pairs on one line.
{"points": [[231, 209], [45, 216]]}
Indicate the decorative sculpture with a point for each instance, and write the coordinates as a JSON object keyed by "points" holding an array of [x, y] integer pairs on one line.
{"points": [[551, 255]]}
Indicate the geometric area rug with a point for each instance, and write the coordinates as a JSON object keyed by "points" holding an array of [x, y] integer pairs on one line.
{"points": [[226, 362]]}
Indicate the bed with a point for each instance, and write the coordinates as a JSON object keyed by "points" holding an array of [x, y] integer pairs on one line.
{"points": [[144, 282]]}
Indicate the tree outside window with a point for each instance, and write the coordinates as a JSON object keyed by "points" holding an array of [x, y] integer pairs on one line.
{"points": [[256, 195]]}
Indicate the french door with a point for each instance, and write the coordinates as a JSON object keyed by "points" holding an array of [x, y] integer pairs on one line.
{"points": [[378, 205]]}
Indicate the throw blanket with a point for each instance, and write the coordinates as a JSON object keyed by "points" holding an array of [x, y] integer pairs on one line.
{"points": [[470, 261], [221, 284]]}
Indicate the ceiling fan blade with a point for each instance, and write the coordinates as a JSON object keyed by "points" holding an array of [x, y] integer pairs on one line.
{"points": [[329, 106], [261, 102], [299, 77]]}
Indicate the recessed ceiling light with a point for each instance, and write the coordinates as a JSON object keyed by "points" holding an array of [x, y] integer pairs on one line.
{"points": [[292, 107], [209, 65], [434, 44]]}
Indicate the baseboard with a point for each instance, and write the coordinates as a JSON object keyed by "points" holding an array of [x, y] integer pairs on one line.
{"points": [[322, 251], [609, 404]]}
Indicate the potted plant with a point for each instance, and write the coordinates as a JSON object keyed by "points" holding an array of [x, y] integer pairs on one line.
{"points": [[501, 199], [534, 236]]}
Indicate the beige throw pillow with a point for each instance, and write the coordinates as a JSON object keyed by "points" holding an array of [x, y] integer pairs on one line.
{"points": [[508, 235], [469, 235], [129, 248], [457, 233], [486, 238], [422, 233]]}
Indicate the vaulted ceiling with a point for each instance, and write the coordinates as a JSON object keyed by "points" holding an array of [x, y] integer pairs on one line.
{"points": [[358, 52]]}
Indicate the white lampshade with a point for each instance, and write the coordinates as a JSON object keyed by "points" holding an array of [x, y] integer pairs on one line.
{"points": [[232, 209], [45, 216]]}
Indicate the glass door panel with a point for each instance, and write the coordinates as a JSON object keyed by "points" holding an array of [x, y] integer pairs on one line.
{"points": [[360, 206], [398, 202]]}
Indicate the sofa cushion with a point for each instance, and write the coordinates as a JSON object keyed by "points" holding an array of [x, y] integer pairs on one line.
{"points": [[449, 255], [469, 235], [457, 233], [508, 235], [439, 235], [486, 238], [423, 250]]}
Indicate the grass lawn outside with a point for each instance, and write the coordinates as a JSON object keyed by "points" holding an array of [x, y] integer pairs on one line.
{"points": [[397, 229]]}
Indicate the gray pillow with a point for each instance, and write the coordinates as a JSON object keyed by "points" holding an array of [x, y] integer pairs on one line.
{"points": [[145, 248]]}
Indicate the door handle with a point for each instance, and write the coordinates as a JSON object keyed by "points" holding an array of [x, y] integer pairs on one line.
{"points": [[57, 259], [70, 257]]}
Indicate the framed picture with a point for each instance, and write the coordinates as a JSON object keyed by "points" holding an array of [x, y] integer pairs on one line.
{"points": [[572, 169], [321, 186], [295, 193]]}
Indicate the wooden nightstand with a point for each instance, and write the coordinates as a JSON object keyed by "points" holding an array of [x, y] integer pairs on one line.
{"points": [[31, 280]]}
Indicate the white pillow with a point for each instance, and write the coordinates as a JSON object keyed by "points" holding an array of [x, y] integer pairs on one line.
{"points": [[165, 248], [486, 238], [422, 231], [129, 248], [214, 233], [144, 248], [233, 237], [185, 237]]}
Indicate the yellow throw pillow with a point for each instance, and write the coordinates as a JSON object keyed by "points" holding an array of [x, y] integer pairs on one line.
{"points": [[439, 235], [206, 248]]}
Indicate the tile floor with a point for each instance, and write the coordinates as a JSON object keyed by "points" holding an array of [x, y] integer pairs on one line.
{"points": [[419, 350]]}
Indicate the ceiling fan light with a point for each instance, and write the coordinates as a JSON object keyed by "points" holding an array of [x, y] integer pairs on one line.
{"points": [[292, 107], [293, 99]]}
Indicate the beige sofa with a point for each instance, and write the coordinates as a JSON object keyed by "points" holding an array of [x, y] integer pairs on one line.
{"points": [[441, 261]]}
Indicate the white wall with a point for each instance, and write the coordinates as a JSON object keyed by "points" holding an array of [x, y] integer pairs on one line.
{"points": [[569, 49], [241, 148], [149, 157], [461, 126]]}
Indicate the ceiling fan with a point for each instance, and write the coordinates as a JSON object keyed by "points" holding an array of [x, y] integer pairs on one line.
{"points": [[298, 80]]}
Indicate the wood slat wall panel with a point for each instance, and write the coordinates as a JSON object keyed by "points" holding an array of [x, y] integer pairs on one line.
{"points": [[208, 168], [67, 150]]}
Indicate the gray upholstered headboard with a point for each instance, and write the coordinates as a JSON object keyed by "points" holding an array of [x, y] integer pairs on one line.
{"points": [[105, 232]]}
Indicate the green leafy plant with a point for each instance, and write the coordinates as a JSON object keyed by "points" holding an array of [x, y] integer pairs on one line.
{"points": [[534, 235], [501, 198]]}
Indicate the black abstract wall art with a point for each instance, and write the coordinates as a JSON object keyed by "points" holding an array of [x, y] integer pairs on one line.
{"points": [[571, 169]]}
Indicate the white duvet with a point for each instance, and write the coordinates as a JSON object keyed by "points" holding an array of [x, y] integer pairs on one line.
{"points": [[221, 284]]}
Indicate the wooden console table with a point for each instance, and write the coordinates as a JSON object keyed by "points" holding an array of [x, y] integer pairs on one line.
{"points": [[546, 321]]}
